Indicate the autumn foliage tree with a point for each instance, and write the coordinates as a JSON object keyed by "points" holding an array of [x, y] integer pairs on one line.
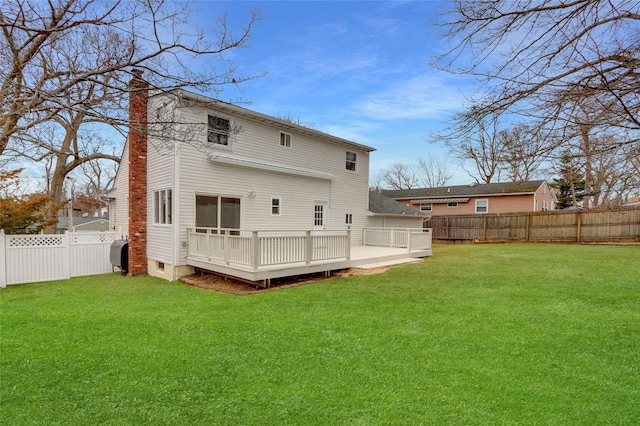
{"points": [[21, 213]]}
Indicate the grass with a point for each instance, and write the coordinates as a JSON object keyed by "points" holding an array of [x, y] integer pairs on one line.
{"points": [[475, 335]]}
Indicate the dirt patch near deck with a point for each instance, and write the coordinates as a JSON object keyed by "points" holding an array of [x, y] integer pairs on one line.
{"points": [[229, 285]]}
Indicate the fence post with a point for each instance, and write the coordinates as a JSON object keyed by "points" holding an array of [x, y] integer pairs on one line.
{"points": [[3, 260], [484, 227], [527, 225], [66, 244], [579, 226]]}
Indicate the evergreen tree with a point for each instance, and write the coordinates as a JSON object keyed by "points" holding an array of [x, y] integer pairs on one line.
{"points": [[570, 184]]}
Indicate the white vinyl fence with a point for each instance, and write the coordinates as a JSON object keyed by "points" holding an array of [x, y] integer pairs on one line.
{"points": [[46, 257]]}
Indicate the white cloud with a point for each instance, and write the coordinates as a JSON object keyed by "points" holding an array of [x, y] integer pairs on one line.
{"points": [[425, 96]]}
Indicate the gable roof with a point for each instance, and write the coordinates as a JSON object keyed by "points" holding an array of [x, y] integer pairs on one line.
{"points": [[385, 206], [489, 189], [285, 125]]}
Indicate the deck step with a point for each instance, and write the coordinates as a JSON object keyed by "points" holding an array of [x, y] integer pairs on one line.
{"points": [[386, 263]]}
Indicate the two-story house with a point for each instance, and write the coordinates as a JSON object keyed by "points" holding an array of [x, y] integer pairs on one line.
{"points": [[225, 188]]}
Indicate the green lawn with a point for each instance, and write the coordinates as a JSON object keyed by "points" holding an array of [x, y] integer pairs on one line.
{"points": [[475, 335]]}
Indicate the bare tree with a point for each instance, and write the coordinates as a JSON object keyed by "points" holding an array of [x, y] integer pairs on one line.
{"points": [[523, 151], [52, 50], [434, 172], [401, 176], [480, 144], [528, 52]]}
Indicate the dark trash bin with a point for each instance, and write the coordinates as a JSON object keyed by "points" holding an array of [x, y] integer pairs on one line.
{"points": [[119, 255]]}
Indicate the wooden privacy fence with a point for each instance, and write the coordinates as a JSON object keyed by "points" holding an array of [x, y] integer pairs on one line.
{"points": [[45, 257], [562, 226]]}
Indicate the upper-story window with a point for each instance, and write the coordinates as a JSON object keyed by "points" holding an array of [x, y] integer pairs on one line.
{"points": [[351, 161], [426, 207], [452, 204], [275, 206], [218, 130], [285, 139]]}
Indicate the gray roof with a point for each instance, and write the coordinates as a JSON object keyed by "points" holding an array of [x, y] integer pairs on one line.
{"points": [[466, 190], [379, 204], [63, 221]]}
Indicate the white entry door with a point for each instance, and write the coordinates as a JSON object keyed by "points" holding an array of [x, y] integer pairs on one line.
{"points": [[320, 216]]}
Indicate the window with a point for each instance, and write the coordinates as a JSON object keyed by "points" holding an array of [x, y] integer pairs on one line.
{"points": [[545, 205], [351, 161], [275, 207], [160, 267], [482, 206], [162, 207], [217, 212], [452, 204], [285, 139], [426, 207], [348, 219], [218, 130]]}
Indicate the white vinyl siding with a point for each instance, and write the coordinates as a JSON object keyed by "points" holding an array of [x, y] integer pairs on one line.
{"points": [[160, 176], [119, 209]]}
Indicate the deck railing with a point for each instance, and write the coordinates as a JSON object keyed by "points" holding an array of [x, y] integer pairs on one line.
{"points": [[409, 238], [253, 249]]}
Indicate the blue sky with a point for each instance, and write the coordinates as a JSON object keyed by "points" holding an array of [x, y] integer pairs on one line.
{"points": [[355, 69]]}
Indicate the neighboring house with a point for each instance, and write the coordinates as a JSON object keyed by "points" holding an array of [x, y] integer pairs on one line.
{"points": [[82, 224], [385, 212], [513, 197], [228, 196]]}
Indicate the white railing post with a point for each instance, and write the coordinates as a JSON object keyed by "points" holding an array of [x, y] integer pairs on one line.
{"points": [[3, 260], [348, 245], [255, 249], [392, 238], [309, 247], [364, 236], [409, 240], [225, 246]]}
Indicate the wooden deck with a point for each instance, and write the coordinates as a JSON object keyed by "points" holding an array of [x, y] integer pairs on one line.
{"points": [[259, 257]]}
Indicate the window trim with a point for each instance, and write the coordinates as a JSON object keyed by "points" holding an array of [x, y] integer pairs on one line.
{"points": [[287, 139], [452, 205], [486, 200], [426, 204], [208, 144], [279, 206], [354, 161], [162, 214]]}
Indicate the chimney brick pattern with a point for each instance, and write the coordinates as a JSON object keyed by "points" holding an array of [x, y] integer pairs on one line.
{"points": [[137, 141]]}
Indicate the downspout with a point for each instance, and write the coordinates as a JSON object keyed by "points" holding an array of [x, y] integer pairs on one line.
{"points": [[176, 212]]}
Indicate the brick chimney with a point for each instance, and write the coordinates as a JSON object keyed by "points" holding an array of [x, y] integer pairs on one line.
{"points": [[137, 140]]}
